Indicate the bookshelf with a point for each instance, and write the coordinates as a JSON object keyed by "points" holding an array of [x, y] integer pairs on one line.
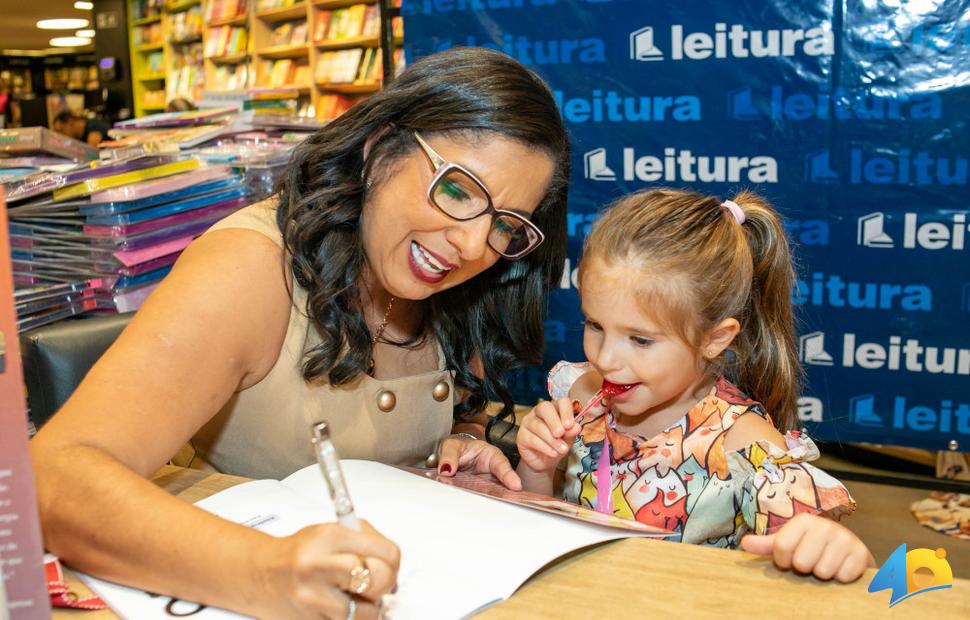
{"points": [[227, 45], [346, 52], [147, 50], [281, 54], [183, 27], [330, 50]]}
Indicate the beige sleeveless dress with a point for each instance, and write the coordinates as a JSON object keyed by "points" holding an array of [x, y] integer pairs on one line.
{"points": [[264, 430]]}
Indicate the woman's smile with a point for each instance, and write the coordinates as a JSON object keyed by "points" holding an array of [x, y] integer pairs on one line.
{"points": [[426, 265]]}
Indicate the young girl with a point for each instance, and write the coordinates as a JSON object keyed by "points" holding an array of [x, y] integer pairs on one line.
{"points": [[680, 290]]}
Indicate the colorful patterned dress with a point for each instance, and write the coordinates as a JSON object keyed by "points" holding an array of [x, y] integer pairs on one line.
{"points": [[684, 480]]}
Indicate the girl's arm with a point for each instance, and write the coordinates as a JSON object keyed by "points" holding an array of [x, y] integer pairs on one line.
{"points": [[214, 326], [808, 543]]}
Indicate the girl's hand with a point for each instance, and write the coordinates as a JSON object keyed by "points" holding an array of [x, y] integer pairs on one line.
{"points": [[462, 453], [546, 434], [310, 576], [814, 545]]}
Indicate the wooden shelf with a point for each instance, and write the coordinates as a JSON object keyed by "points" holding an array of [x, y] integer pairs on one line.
{"points": [[339, 4], [283, 14], [149, 47], [150, 77], [186, 41], [229, 59], [347, 42], [183, 5], [302, 88], [231, 21], [283, 51], [144, 21], [351, 89]]}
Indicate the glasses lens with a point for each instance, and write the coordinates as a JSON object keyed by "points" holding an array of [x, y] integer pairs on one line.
{"points": [[459, 196], [511, 236]]}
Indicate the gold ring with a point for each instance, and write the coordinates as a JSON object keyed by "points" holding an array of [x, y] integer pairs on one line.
{"points": [[359, 577]]}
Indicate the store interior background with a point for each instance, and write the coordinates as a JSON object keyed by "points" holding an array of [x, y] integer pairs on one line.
{"points": [[98, 78]]}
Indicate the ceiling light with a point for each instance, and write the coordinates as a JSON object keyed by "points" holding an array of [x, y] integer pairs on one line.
{"points": [[87, 34], [70, 41], [62, 24], [81, 5]]}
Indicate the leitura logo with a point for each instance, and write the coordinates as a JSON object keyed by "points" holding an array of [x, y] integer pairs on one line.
{"points": [[912, 573]]}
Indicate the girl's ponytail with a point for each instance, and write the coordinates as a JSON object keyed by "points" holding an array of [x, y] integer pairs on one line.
{"points": [[766, 356]]}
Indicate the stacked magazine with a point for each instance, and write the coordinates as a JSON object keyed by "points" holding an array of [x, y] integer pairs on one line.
{"points": [[100, 235]]}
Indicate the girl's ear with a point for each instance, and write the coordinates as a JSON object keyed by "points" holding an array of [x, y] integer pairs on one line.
{"points": [[720, 337]]}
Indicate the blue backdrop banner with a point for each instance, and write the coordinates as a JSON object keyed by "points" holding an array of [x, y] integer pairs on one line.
{"points": [[850, 117]]}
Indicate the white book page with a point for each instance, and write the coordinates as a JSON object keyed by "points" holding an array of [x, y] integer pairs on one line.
{"points": [[266, 505], [459, 551]]}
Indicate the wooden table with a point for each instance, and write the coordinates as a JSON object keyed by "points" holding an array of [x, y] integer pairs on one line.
{"points": [[641, 578]]}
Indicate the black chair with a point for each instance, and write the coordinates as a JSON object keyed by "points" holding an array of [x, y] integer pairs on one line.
{"points": [[56, 357]]}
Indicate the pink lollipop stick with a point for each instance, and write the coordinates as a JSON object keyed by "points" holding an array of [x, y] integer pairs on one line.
{"points": [[604, 480]]}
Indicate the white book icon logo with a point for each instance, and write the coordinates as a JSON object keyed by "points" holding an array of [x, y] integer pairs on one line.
{"points": [[642, 47], [595, 168], [870, 232], [811, 350]]}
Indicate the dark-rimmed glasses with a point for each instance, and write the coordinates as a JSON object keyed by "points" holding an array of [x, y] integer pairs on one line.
{"points": [[458, 193]]}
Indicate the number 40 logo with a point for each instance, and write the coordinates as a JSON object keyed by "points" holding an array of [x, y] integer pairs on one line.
{"points": [[912, 573]]}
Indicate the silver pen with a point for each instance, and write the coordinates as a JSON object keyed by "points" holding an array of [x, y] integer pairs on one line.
{"points": [[330, 466]]}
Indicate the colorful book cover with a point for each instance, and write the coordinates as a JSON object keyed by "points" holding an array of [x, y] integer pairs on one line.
{"points": [[21, 550], [94, 185]]}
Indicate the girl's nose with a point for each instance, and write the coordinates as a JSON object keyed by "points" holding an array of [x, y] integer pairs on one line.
{"points": [[606, 358]]}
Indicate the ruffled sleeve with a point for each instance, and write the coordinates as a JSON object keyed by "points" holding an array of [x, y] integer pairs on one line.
{"points": [[562, 377], [778, 484]]}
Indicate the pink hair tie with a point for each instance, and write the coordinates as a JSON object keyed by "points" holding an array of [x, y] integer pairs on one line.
{"points": [[735, 210]]}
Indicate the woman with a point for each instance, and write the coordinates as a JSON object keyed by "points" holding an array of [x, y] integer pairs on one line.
{"points": [[378, 277]]}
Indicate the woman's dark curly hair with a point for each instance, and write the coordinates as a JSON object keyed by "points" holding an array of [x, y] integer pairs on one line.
{"points": [[497, 315]]}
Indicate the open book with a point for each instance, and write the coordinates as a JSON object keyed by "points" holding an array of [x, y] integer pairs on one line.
{"points": [[460, 551]]}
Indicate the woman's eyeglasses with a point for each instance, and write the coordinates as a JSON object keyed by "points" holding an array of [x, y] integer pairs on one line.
{"points": [[459, 194]]}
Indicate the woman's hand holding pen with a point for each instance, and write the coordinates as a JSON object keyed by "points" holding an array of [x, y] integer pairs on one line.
{"points": [[463, 453], [311, 573], [546, 433]]}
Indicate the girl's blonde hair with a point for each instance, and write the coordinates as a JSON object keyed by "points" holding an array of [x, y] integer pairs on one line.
{"points": [[696, 266]]}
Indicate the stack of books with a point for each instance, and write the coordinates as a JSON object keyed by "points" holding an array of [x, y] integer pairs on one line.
{"points": [[100, 235], [286, 72], [219, 10], [289, 33], [111, 231], [359, 20], [225, 41]]}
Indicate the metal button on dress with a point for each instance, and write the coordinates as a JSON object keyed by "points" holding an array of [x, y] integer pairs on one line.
{"points": [[386, 400], [440, 391]]}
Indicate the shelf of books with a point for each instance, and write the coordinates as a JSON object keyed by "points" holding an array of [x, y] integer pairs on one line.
{"points": [[329, 50], [346, 53], [227, 45], [183, 26], [281, 54]]}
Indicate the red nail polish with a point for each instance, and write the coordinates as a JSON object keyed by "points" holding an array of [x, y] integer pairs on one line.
{"points": [[446, 469]]}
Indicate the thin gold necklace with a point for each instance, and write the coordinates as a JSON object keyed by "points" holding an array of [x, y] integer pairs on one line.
{"points": [[377, 334]]}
